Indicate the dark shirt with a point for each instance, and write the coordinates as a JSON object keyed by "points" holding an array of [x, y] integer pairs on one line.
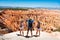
{"points": [[30, 22], [38, 25], [21, 23]]}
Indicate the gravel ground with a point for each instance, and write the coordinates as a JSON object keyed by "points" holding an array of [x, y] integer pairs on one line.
{"points": [[43, 36]]}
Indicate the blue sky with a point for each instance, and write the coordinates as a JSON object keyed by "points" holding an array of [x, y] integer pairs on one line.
{"points": [[31, 3]]}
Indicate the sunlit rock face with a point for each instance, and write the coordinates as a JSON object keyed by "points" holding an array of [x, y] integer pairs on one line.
{"points": [[48, 18]]}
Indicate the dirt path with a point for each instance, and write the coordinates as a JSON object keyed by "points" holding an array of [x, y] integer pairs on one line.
{"points": [[43, 36]]}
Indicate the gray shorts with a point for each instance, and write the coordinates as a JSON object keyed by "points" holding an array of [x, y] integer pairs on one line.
{"points": [[22, 27]]}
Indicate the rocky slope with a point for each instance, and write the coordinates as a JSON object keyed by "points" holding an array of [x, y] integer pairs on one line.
{"points": [[49, 18]]}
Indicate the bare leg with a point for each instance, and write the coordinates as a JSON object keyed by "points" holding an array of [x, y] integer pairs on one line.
{"points": [[31, 32], [22, 32], [39, 32], [36, 32], [27, 32]]}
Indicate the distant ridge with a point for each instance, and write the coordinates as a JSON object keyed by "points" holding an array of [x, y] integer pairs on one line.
{"points": [[29, 7]]}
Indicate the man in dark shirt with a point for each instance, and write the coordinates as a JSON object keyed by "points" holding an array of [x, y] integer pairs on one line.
{"points": [[30, 23]]}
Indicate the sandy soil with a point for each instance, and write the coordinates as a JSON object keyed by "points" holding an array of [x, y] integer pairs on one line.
{"points": [[43, 36]]}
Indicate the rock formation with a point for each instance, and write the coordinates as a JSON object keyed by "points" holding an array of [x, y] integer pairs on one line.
{"points": [[49, 18]]}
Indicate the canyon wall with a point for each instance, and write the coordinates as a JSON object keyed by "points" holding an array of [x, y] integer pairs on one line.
{"points": [[48, 18]]}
